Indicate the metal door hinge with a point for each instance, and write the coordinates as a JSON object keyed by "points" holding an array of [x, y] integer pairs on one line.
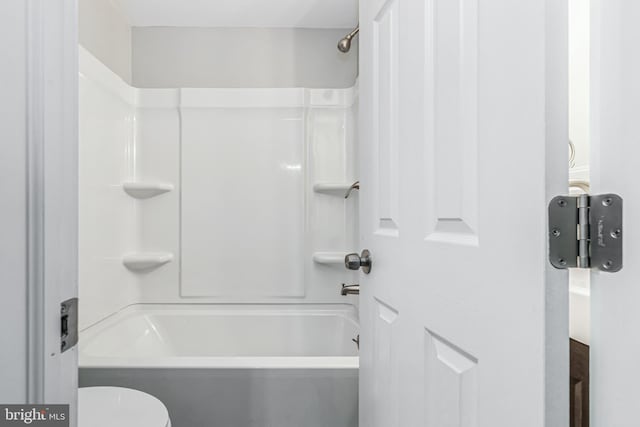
{"points": [[68, 324], [585, 231]]}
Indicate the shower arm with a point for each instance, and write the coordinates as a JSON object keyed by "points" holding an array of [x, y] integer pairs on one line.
{"points": [[344, 45], [353, 33]]}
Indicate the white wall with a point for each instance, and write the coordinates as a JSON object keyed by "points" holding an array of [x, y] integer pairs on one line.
{"points": [[13, 174], [326, 139], [105, 32], [241, 57], [579, 130], [108, 217], [579, 79], [242, 199]]}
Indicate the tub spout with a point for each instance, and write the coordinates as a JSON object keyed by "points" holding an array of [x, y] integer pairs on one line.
{"points": [[350, 290]]}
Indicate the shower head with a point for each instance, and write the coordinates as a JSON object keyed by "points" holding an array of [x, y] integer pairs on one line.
{"points": [[344, 45]]}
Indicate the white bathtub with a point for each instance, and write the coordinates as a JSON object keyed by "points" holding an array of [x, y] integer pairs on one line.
{"points": [[232, 365]]}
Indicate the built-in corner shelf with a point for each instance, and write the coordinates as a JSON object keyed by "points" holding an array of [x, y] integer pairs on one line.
{"points": [[146, 190], [146, 261], [334, 188], [329, 258]]}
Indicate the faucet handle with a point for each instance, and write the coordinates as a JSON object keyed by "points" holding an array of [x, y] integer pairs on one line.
{"points": [[355, 186], [357, 341]]}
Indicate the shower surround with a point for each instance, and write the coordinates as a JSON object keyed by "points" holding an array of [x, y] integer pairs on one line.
{"points": [[199, 207]]}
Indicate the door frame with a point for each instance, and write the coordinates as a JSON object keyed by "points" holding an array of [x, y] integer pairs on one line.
{"points": [[557, 349], [52, 150], [52, 196]]}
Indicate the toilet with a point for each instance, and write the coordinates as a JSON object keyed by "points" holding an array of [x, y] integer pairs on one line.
{"points": [[120, 407]]}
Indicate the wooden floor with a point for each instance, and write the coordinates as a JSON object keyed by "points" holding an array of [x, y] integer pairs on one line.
{"points": [[579, 384]]}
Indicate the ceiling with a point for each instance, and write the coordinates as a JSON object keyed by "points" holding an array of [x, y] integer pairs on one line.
{"points": [[241, 13]]}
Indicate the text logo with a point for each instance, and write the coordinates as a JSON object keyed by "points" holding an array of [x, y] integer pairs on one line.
{"points": [[34, 415]]}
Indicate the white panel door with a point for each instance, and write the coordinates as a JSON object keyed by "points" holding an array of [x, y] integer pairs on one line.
{"points": [[615, 114], [463, 141]]}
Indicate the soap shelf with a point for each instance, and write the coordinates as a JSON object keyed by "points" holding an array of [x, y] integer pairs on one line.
{"points": [[146, 261], [334, 188], [329, 258], [146, 190]]}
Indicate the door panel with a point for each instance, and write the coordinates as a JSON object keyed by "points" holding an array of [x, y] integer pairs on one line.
{"points": [[615, 113], [385, 107], [452, 391], [451, 111], [385, 364], [463, 141]]}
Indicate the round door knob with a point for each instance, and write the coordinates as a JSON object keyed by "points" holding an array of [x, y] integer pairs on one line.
{"points": [[355, 261], [352, 261]]}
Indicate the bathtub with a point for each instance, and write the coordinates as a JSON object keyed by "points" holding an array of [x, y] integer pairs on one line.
{"points": [[232, 365]]}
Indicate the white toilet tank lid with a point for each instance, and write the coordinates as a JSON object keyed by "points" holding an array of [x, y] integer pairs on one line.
{"points": [[119, 407]]}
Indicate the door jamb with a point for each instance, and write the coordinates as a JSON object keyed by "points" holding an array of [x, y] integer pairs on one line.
{"points": [[52, 195]]}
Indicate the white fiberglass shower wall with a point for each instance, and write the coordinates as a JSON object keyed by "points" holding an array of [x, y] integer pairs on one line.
{"points": [[213, 195]]}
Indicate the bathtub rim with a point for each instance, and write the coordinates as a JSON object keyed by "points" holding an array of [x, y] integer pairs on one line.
{"points": [[347, 311]]}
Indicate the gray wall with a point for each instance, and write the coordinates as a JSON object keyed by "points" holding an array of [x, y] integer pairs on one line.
{"points": [[214, 57], [105, 32], [241, 57]]}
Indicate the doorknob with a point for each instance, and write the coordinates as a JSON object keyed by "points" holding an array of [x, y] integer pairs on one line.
{"points": [[355, 261]]}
